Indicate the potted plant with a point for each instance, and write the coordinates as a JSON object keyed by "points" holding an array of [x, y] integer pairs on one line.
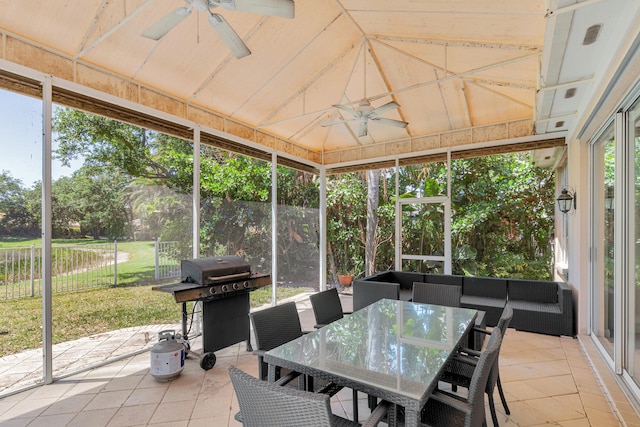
{"points": [[345, 278]]}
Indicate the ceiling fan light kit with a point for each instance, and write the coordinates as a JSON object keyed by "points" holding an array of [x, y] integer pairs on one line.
{"points": [[365, 112], [281, 8]]}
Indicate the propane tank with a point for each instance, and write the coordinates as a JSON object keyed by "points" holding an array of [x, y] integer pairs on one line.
{"points": [[167, 356]]}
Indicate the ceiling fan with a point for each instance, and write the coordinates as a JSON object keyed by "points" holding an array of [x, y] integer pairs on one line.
{"points": [[283, 8], [365, 112]]}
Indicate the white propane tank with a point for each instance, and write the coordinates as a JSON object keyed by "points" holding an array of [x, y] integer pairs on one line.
{"points": [[167, 357]]}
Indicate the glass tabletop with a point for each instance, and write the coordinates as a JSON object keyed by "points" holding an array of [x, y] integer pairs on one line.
{"points": [[398, 346]]}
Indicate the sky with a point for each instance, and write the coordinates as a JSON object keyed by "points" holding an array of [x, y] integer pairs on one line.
{"points": [[21, 139]]}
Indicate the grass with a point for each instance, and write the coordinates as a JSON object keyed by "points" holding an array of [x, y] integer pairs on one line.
{"points": [[83, 313]]}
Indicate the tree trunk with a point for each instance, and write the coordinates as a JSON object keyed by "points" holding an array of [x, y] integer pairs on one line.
{"points": [[332, 265], [373, 189]]}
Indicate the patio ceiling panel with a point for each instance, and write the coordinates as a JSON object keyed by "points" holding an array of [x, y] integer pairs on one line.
{"points": [[110, 18], [458, 106], [275, 44], [450, 64], [300, 117], [59, 23], [193, 44], [574, 63], [328, 52], [489, 106], [452, 20]]}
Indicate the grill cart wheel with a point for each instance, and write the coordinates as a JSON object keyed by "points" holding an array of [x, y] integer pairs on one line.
{"points": [[208, 361]]}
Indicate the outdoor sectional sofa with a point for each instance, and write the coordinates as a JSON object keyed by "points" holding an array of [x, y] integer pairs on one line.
{"points": [[538, 306]]}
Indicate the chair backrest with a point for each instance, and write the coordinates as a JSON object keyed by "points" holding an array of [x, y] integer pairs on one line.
{"points": [[480, 378], [436, 293], [503, 324], [366, 292], [505, 319], [264, 404], [326, 306], [276, 325]]}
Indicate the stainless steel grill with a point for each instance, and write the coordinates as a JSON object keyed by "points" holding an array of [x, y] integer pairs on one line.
{"points": [[222, 284]]}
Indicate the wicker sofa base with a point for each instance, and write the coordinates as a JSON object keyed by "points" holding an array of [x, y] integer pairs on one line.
{"points": [[538, 306]]}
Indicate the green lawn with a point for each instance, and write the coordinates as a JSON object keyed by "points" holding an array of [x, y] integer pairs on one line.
{"points": [[83, 313]]}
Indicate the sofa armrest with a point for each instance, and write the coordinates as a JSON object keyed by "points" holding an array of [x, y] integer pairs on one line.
{"points": [[565, 300]]}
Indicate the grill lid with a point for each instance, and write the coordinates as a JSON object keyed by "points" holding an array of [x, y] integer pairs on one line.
{"points": [[206, 271]]}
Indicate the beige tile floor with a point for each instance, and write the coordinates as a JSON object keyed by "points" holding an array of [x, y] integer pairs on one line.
{"points": [[547, 380]]}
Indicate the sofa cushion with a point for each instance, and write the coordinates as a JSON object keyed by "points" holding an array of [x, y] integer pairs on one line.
{"points": [[446, 279], [492, 307], [487, 287], [539, 307], [406, 278], [533, 290], [471, 301]]}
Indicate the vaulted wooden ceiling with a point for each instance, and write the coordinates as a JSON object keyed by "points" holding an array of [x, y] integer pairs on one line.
{"points": [[451, 65]]}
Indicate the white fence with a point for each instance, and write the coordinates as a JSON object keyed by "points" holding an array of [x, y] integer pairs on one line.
{"points": [[73, 268], [167, 260]]}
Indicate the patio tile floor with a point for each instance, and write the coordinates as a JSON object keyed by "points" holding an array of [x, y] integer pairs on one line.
{"points": [[547, 381]]}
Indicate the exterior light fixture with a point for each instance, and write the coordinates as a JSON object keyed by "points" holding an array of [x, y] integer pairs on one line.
{"points": [[591, 35], [566, 199], [609, 198]]}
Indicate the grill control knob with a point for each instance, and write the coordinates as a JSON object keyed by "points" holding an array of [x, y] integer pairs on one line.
{"points": [[236, 286], [245, 285], [225, 288], [212, 290]]}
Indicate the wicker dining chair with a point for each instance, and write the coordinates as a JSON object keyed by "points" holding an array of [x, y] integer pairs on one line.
{"points": [[273, 327], [264, 404], [459, 371], [366, 293], [278, 325], [449, 409], [449, 295], [434, 293], [326, 307]]}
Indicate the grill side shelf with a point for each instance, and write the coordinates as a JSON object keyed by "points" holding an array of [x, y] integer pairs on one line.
{"points": [[183, 292]]}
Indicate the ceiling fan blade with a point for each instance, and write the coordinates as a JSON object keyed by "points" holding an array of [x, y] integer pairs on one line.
{"points": [[383, 108], [238, 48], [284, 8], [165, 24], [391, 122], [347, 109], [362, 131]]}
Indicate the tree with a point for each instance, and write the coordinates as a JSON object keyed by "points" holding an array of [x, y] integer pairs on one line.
{"points": [[104, 142], [235, 191], [17, 216], [65, 210], [502, 221], [346, 222]]}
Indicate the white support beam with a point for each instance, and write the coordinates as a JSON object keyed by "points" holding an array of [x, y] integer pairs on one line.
{"points": [[47, 303], [196, 193], [274, 227], [323, 229]]}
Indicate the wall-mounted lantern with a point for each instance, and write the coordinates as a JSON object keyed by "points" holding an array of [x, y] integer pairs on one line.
{"points": [[566, 199], [609, 198]]}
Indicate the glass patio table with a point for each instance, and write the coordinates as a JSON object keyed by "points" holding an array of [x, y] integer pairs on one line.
{"points": [[393, 350]]}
